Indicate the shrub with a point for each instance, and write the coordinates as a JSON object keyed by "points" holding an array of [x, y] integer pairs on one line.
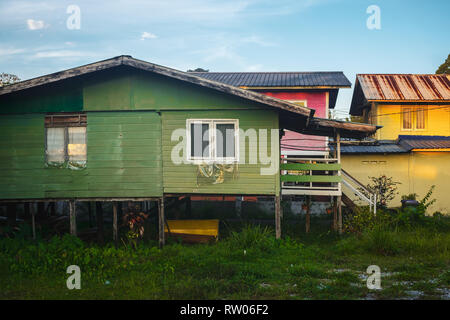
{"points": [[385, 189], [364, 220]]}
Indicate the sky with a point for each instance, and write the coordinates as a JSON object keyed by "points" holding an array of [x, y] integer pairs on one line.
{"points": [[41, 37]]}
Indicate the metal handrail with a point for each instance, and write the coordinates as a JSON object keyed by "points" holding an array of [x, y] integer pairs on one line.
{"points": [[372, 199]]}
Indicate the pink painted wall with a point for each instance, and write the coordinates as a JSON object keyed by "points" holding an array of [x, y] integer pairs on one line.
{"points": [[293, 141]]}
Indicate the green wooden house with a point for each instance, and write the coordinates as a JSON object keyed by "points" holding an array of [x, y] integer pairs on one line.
{"points": [[123, 129]]}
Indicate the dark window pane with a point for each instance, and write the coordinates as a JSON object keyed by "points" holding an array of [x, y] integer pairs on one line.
{"points": [[225, 140], [199, 140]]}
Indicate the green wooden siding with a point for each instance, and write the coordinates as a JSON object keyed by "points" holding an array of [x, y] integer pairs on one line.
{"points": [[21, 156], [139, 90], [123, 150], [66, 96], [182, 178]]}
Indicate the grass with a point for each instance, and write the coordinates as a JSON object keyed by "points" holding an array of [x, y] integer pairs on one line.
{"points": [[249, 264]]}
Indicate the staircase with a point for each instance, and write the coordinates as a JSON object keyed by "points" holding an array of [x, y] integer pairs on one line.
{"points": [[322, 177]]}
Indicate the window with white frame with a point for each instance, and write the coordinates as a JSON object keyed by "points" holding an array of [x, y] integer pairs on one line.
{"points": [[212, 140]]}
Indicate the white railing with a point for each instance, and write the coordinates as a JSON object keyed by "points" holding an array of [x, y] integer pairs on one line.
{"points": [[360, 190]]}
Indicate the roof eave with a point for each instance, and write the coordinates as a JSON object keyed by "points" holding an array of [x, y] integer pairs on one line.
{"points": [[172, 73]]}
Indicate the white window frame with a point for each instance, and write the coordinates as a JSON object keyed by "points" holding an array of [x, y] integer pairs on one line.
{"points": [[212, 157]]}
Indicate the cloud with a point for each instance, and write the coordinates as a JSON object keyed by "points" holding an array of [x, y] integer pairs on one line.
{"points": [[10, 51], [148, 35], [35, 24], [62, 54], [257, 40]]}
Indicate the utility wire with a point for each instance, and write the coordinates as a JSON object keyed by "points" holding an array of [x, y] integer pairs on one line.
{"points": [[423, 109]]}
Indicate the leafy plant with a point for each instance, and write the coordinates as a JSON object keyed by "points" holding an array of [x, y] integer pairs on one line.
{"points": [[363, 220], [385, 189], [135, 220], [411, 196]]}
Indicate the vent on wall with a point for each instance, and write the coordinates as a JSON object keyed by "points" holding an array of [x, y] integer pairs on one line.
{"points": [[65, 120]]}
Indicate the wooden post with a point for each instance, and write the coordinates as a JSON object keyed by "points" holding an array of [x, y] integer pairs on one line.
{"points": [[339, 198], [340, 214], [161, 218], [335, 213], [238, 206], [90, 210], [277, 217], [11, 214], [72, 218], [41, 209], [308, 214], [99, 216], [26, 209], [115, 237], [33, 220], [188, 207]]}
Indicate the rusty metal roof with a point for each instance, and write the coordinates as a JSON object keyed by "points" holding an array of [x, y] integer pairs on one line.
{"points": [[417, 88], [405, 86]]}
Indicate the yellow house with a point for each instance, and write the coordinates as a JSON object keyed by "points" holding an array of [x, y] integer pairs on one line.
{"points": [[413, 147]]}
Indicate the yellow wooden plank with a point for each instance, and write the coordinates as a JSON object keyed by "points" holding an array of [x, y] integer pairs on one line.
{"points": [[196, 227]]}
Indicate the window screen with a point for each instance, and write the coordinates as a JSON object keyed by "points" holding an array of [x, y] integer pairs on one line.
{"points": [[407, 118], [225, 140], [55, 145], [420, 118], [200, 140]]}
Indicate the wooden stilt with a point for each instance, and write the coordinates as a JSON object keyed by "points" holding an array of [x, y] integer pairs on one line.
{"points": [[99, 216], [26, 209], [120, 211], [161, 218], [11, 213], [115, 231], [334, 214], [188, 207], [277, 217], [339, 198], [41, 209], [308, 214], [340, 214], [90, 213], [238, 206], [53, 209], [72, 218], [33, 220]]}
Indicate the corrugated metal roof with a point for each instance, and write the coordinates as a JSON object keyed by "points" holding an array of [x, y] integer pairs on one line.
{"points": [[404, 144], [278, 79], [382, 148], [424, 142], [405, 87]]}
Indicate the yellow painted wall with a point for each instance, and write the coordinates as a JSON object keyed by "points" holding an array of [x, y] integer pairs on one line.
{"points": [[389, 116], [417, 171]]}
